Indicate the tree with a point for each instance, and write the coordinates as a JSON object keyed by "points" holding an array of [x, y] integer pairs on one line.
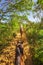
{"points": [[40, 2], [15, 6]]}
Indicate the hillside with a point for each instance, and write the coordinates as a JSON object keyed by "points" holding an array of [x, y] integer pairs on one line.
{"points": [[8, 55]]}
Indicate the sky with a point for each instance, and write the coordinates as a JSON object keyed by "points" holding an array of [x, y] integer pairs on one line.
{"points": [[35, 1], [31, 14], [36, 18]]}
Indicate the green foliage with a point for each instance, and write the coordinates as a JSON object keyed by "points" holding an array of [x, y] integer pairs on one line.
{"points": [[24, 5], [5, 35], [15, 24], [5, 32], [38, 56], [21, 5], [35, 38], [32, 33], [41, 3]]}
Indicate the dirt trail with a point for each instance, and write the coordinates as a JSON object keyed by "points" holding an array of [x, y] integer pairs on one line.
{"points": [[8, 55]]}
